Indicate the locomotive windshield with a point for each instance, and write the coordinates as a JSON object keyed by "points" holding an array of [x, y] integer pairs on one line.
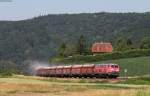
{"points": [[114, 66]]}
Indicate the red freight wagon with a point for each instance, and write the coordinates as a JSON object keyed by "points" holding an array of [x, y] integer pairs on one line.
{"points": [[76, 70], [87, 70], [51, 71], [59, 70], [41, 72], [45, 71], [66, 70]]}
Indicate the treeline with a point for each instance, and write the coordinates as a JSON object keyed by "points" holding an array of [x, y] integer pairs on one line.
{"points": [[82, 48], [102, 57], [123, 48]]}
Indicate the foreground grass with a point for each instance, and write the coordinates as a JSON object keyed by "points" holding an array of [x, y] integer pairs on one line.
{"points": [[36, 86], [137, 81], [140, 80]]}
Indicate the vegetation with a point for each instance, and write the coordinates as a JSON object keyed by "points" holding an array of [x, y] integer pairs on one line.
{"points": [[71, 36], [7, 68], [103, 57], [123, 44], [137, 81], [145, 43], [62, 50], [36, 86], [39, 38], [81, 47]]}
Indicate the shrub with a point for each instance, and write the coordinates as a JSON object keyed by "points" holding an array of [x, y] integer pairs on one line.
{"points": [[5, 74]]}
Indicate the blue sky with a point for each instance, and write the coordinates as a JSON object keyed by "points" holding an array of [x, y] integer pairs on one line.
{"points": [[23, 9]]}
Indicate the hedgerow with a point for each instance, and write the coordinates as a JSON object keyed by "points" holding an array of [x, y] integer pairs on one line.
{"points": [[105, 56]]}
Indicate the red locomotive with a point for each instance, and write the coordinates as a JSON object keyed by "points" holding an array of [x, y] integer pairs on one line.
{"points": [[91, 70]]}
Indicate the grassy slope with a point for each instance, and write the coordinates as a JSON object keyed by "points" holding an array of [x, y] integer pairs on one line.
{"points": [[135, 66]]}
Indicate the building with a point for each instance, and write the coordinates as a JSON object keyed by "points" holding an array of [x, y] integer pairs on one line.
{"points": [[102, 48]]}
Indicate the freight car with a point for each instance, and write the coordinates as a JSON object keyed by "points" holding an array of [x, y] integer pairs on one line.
{"points": [[88, 70]]}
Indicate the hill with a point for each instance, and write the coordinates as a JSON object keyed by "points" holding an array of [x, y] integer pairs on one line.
{"points": [[40, 37]]}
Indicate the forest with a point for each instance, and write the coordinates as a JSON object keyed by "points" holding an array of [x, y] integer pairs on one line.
{"points": [[40, 38]]}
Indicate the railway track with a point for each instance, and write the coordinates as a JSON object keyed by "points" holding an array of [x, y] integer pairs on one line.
{"points": [[86, 80]]}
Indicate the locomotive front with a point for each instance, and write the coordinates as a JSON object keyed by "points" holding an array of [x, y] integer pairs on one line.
{"points": [[107, 70]]}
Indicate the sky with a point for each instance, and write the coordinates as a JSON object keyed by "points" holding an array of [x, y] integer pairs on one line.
{"points": [[25, 9]]}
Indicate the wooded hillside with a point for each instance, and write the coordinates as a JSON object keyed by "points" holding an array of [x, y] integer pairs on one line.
{"points": [[39, 38]]}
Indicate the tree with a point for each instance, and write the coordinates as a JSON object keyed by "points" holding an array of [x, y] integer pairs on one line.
{"points": [[62, 49], [145, 43], [130, 44], [81, 46], [122, 44], [7, 68], [70, 50]]}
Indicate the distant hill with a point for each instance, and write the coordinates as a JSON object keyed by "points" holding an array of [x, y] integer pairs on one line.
{"points": [[40, 37]]}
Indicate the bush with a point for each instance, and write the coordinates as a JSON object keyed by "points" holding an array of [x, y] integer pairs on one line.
{"points": [[106, 56], [7, 68], [5, 74]]}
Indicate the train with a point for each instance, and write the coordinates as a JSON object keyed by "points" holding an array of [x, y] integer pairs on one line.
{"points": [[81, 71]]}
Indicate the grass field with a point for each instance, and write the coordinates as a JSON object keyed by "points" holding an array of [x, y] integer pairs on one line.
{"points": [[37, 86], [136, 66]]}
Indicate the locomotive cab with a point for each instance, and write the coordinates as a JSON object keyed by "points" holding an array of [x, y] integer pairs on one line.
{"points": [[113, 70]]}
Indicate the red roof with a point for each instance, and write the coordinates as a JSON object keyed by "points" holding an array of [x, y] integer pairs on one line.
{"points": [[102, 47]]}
